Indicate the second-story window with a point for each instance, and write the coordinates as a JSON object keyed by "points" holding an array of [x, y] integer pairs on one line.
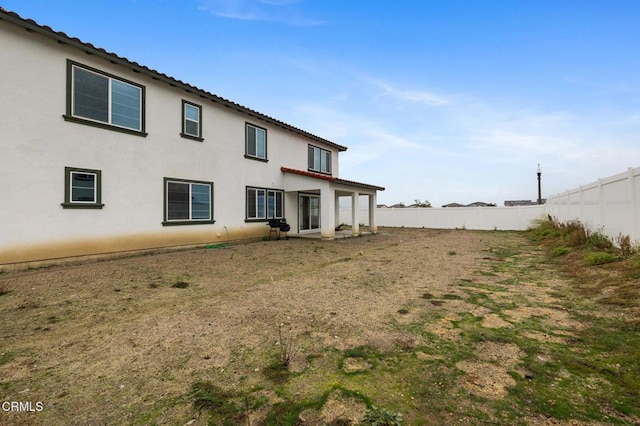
{"points": [[319, 160], [191, 121], [98, 98], [256, 142]]}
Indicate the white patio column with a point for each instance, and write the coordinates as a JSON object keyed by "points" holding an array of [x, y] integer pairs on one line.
{"points": [[373, 202], [355, 216], [327, 213], [337, 219]]}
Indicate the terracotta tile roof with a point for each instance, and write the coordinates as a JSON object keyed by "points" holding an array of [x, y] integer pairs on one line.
{"points": [[63, 38], [331, 178]]}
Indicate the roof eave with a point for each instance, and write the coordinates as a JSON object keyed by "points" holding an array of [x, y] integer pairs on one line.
{"points": [[31, 26], [360, 184], [332, 179]]}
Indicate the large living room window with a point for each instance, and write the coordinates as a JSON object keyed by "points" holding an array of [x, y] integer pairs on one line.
{"points": [[319, 160], [256, 142], [187, 202], [100, 99], [82, 188], [263, 203]]}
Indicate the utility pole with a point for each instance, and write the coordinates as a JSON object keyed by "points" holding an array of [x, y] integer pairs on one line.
{"points": [[539, 184]]}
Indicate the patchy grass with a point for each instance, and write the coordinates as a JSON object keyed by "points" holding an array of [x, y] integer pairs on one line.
{"points": [[277, 372], [559, 251], [603, 358], [599, 257], [614, 281], [504, 332], [223, 406]]}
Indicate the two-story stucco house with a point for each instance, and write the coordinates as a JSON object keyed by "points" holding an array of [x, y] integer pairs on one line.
{"points": [[101, 155]]}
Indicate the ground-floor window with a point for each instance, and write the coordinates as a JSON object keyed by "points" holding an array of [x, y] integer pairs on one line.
{"points": [[187, 202], [82, 188], [263, 203]]}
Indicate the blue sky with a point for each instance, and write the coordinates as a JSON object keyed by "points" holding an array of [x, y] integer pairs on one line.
{"points": [[446, 101]]}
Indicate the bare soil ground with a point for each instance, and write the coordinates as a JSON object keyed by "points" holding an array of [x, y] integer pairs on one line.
{"points": [[439, 326]]}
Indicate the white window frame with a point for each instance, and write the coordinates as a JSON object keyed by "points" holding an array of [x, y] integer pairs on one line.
{"points": [[71, 187], [319, 160], [69, 202], [255, 148], [185, 120], [258, 193], [266, 195]]}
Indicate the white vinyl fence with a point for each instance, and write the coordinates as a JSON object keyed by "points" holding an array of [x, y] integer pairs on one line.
{"points": [[610, 205], [484, 218]]}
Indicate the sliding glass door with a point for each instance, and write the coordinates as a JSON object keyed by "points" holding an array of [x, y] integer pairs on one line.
{"points": [[309, 212]]}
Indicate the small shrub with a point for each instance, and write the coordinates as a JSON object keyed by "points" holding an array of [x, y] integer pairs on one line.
{"points": [[560, 251], [600, 241], [624, 242], [575, 233], [381, 417], [542, 226], [599, 257], [452, 253], [403, 311], [288, 348], [4, 288]]}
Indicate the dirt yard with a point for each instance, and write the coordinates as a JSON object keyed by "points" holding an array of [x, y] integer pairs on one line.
{"points": [[441, 327]]}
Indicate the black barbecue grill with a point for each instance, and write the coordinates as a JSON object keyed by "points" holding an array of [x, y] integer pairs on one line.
{"points": [[278, 227]]}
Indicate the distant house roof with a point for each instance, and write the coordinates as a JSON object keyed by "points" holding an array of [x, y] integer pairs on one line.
{"points": [[513, 203], [331, 178], [382, 206], [476, 204], [63, 38], [481, 204]]}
